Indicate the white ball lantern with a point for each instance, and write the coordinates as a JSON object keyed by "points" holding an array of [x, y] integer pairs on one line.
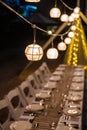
{"points": [[61, 46], [71, 18], [64, 18], [52, 53], [67, 40], [55, 12], [71, 34], [76, 10], [34, 52], [73, 27]]}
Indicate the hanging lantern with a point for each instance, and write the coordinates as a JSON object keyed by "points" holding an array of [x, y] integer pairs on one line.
{"points": [[75, 15], [73, 27], [71, 18], [64, 18], [76, 10], [52, 53], [71, 34], [67, 40], [32, 1], [55, 12], [34, 52], [61, 46]]}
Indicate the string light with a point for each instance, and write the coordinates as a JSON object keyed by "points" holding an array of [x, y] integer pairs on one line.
{"points": [[73, 50]]}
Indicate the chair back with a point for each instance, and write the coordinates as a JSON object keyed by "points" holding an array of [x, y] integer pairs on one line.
{"points": [[5, 115], [27, 92], [16, 105]]}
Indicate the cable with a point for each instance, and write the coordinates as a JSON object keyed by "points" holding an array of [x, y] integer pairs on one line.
{"points": [[32, 25], [66, 5]]}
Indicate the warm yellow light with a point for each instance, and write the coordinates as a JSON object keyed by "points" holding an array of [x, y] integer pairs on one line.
{"points": [[34, 52], [61, 46], [64, 18], [32, 1], [67, 40], [55, 12], [52, 53], [49, 32]]}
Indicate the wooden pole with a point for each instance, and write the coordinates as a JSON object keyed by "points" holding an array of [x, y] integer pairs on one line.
{"points": [[54, 36], [84, 18]]}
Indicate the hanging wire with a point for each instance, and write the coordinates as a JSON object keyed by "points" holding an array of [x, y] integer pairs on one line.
{"points": [[34, 33], [55, 3], [66, 5], [33, 25], [52, 44]]}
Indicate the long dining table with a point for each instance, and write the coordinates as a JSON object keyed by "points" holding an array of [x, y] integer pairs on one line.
{"points": [[53, 114]]}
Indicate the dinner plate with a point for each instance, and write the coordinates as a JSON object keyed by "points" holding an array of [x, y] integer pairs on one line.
{"points": [[43, 95], [50, 85], [55, 78], [62, 127], [73, 105], [78, 79], [72, 111], [20, 125], [76, 88], [74, 98], [34, 107]]}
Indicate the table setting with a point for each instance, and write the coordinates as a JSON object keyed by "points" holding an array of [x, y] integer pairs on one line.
{"points": [[21, 125], [56, 106], [75, 98]]}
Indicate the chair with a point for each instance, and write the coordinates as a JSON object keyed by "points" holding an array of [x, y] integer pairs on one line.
{"points": [[15, 103], [39, 77], [45, 71], [27, 92], [5, 115], [34, 83]]}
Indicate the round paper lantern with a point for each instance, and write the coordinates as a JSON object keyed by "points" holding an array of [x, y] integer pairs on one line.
{"points": [[75, 15], [71, 34], [64, 18], [71, 18], [76, 10], [73, 27], [34, 52], [52, 53], [61, 46], [55, 12], [67, 40]]}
